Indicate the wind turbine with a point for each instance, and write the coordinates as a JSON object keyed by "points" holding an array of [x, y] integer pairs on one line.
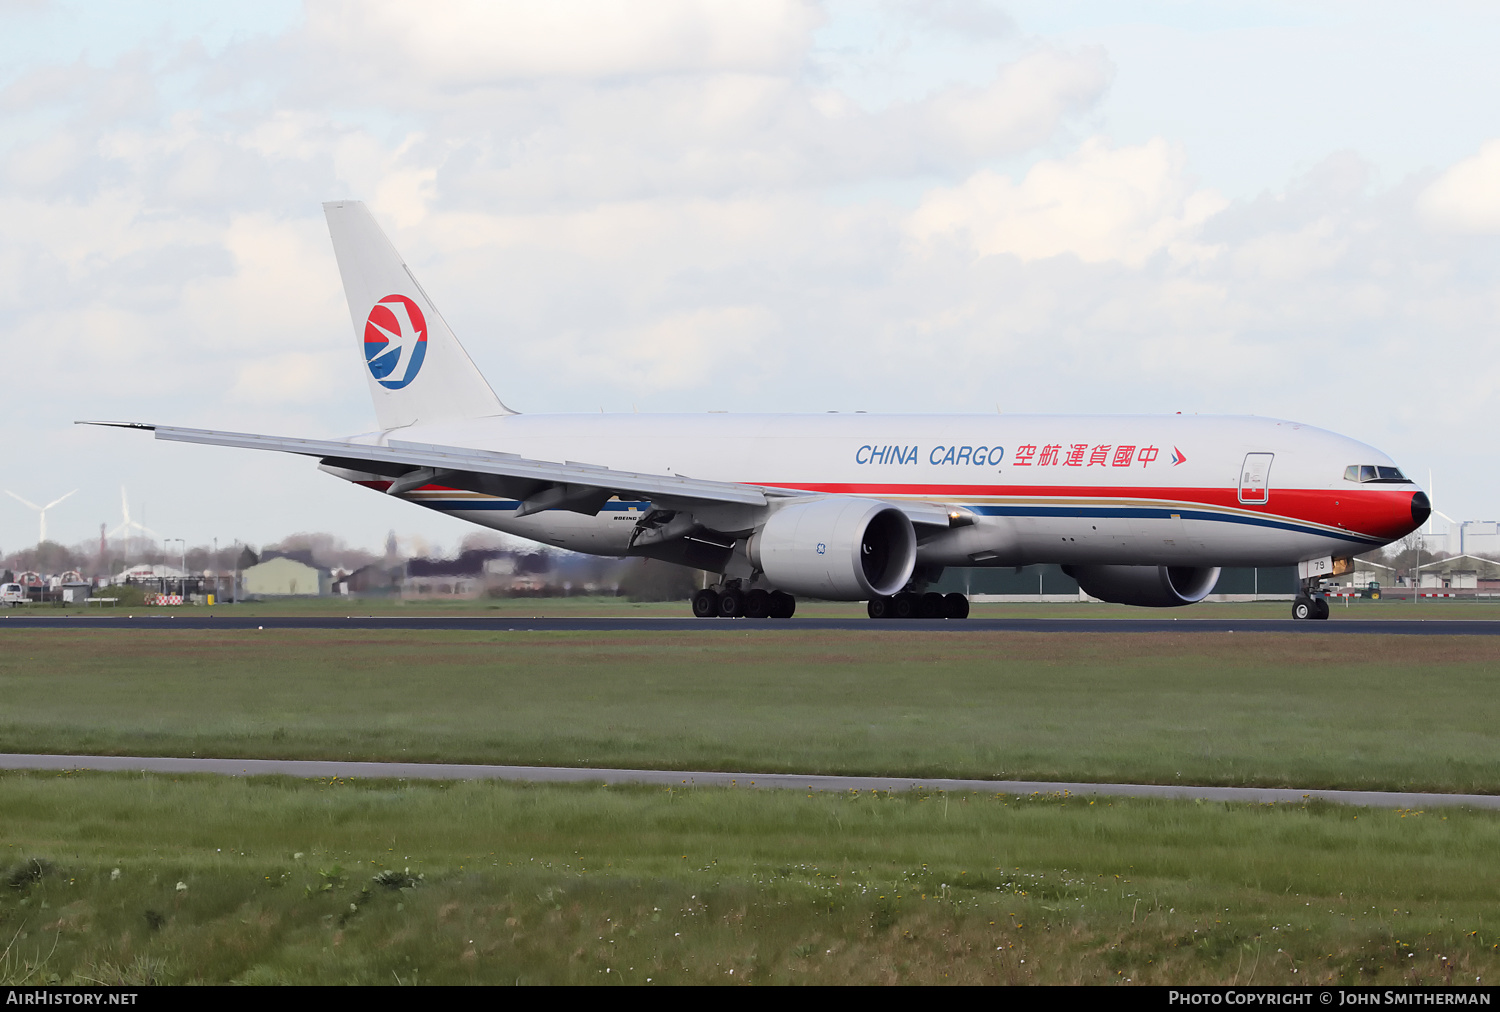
{"points": [[126, 524], [41, 511]]}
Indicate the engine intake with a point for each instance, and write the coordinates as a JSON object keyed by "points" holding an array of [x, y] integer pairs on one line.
{"points": [[1146, 586], [837, 548]]}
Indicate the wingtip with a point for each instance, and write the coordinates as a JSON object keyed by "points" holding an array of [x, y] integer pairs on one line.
{"points": [[148, 426]]}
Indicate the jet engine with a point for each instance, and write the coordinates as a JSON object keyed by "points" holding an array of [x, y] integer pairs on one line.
{"points": [[1146, 586], [837, 548]]}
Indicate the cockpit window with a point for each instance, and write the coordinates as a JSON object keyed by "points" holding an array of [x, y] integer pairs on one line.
{"points": [[1373, 472]]}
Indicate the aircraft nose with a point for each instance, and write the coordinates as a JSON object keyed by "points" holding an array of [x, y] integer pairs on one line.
{"points": [[1421, 508]]}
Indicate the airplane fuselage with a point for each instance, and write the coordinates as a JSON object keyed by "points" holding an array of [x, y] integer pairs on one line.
{"points": [[1068, 489]]}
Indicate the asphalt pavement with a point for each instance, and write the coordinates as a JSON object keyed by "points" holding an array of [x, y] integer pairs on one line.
{"points": [[324, 769]]}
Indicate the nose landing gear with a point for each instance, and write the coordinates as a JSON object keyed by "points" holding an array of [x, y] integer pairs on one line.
{"points": [[1310, 607]]}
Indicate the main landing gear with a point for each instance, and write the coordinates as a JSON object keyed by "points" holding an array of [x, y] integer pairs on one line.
{"points": [[928, 605], [734, 603], [1310, 607]]}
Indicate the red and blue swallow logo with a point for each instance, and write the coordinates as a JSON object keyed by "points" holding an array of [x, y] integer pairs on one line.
{"points": [[395, 341], [1177, 456]]}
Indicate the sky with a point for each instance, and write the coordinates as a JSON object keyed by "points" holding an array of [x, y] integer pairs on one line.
{"points": [[1255, 207]]}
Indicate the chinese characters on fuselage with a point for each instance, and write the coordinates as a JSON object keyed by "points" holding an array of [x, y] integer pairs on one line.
{"points": [[1027, 455]]}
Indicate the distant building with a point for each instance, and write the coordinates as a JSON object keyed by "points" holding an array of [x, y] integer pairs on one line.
{"points": [[1461, 572], [1467, 537], [285, 577], [146, 573], [376, 578], [477, 572]]}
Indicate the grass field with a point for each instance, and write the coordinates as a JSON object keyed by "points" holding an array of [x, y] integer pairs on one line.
{"points": [[136, 879], [126, 879], [1395, 712]]}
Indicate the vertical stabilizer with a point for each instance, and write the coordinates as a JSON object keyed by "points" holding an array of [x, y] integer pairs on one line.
{"points": [[416, 368]]}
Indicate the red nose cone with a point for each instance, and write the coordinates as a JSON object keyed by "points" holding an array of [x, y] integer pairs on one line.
{"points": [[1387, 515]]}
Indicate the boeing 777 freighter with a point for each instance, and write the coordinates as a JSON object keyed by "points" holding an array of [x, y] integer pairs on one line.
{"points": [[849, 507]]}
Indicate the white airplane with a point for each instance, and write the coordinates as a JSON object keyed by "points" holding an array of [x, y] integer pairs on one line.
{"points": [[1140, 510]]}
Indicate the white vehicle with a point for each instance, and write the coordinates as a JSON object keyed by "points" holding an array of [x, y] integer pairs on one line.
{"points": [[12, 594], [1140, 510]]}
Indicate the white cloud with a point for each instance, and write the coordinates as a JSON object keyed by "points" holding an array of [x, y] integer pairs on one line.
{"points": [[1466, 198], [1021, 107], [1098, 204], [468, 43], [1317, 246]]}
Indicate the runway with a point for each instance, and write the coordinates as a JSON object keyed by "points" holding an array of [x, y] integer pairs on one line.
{"points": [[513, 623], [320, 769]]}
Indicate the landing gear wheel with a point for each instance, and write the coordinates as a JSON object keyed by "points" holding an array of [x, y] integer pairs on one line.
{"points": [[879, 607], [930, 605], [904, 606], [705, 604], [731, 604], [955, 606], [783, 605], [1320, 608], [757, 604], [1302, 609]]}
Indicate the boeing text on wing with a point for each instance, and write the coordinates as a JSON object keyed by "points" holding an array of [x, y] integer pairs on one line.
{"points": [[1141, 510]]}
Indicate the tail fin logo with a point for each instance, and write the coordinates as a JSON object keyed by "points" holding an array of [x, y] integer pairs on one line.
{"points": [[395, 341]]}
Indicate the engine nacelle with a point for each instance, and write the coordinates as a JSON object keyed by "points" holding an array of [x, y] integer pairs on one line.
{"points": [[838, 549], [1146, 586]]}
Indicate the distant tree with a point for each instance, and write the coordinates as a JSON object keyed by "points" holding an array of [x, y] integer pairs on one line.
{"points": [[49, 557], [326, 550], [485, 541]]}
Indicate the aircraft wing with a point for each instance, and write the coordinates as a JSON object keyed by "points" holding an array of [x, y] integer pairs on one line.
{"points": [[537, 484]]}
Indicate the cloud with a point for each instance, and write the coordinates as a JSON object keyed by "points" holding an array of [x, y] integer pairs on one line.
{"points": [[969, 19], [1466, 198], [1098, 204], [388, 44], [1021, 107]]}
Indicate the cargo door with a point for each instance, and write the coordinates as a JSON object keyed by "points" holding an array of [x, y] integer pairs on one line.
{"points": [[1255, 478]]}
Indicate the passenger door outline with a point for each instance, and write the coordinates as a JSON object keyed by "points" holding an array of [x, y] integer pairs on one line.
{"points": [[1255, 479]]}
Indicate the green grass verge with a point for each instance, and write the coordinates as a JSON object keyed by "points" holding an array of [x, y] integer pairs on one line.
{"points": [[1302, 710], [151, 879]]}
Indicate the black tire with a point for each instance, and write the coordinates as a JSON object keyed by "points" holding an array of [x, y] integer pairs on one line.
{"points": [[956, 606], [930, 605], [878, 607], [731, 604], [757, 604], [1320, 609], [904, 606], [705, 604], [1302, 609], [783, 605]]}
